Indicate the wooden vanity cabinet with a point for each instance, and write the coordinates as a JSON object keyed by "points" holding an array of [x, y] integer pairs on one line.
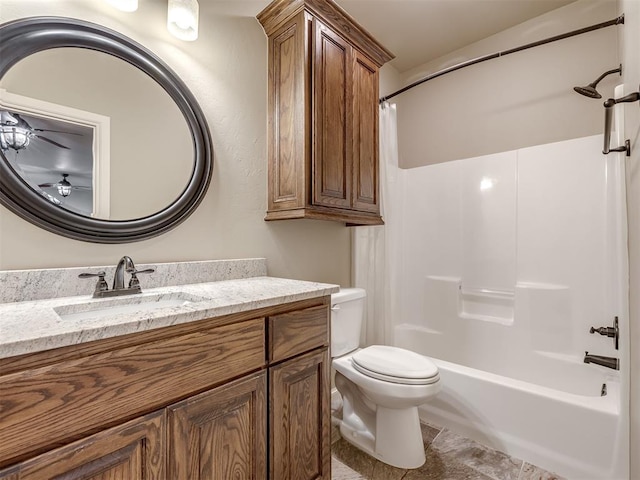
{"points": [[300, 391], [189, 402], [221, 433], [323, 114], [300, 418], [131, 451]]}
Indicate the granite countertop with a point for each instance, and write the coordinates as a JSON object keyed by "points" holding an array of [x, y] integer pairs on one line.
{"points": [[36, 325]]}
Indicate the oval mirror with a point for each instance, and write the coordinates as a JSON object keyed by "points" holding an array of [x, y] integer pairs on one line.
{"points": [[99, 140]]}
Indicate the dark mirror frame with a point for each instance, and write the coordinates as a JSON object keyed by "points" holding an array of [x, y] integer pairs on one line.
{"points": [[21, 38]]}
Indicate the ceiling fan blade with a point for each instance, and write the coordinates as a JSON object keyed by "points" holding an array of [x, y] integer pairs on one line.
{"points": [[57, 131], [80, 187], [52, 142], [33, 168], [47, 185]]}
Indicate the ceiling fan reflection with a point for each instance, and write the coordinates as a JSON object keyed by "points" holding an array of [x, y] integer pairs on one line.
{"points": [[64, 187], [16, 133]]}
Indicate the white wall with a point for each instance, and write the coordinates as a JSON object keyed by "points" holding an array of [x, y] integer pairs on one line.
{"points": [[226, 70], [519, 100], [630, 45], [390, 79]]}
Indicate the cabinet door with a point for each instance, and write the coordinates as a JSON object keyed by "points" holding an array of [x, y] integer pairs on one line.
{"points": [[132, 451], [365, 134], [289, 107], [300, 418], [220, 434], [331, 125]]}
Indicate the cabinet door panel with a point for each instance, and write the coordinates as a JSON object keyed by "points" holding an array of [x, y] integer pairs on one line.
{"points": [[220, 434], [133, 451], [287, 100], [332, 109], [365, 135], [299, 413]]}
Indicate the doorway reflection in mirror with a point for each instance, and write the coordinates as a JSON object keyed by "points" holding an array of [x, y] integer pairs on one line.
{"points": [[55, 150]]}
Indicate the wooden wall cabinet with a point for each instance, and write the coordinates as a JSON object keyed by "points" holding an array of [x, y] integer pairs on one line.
{"points": [[323, 114], [188, 402]]}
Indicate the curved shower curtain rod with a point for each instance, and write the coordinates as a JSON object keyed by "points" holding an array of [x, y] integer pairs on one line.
{"points": [[616, 21]]}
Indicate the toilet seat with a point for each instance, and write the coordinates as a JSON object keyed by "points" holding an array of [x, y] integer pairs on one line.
{"points": [[395, 365]]}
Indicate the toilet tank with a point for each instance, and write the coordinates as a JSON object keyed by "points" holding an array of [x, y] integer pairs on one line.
{"points": [[347, 313]]}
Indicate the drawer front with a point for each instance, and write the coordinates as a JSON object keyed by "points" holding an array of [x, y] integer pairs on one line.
{"points": [[61, 402], [297, 332]]}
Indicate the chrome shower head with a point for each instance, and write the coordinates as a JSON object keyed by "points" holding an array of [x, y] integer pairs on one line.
{"points": [[590, 90]]}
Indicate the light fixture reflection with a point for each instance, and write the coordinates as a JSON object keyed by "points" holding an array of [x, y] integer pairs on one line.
{"points": [[182, 19], [125, 5], [51, 198], [63, 186], [14, 137], [487, 183]]}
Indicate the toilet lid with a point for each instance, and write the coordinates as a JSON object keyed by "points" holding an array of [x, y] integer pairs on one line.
{"points": [[395, 365]]}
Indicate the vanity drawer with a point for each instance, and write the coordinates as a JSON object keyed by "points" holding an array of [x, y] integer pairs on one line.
{"points": [[57, 403], [297, 332]]}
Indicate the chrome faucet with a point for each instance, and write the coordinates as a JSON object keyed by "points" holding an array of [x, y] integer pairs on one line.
{"points": [[125, 264], [609, 362]]}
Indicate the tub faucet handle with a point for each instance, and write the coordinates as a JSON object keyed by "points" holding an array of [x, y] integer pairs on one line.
{"points": [[608, 331], [611, 332]]}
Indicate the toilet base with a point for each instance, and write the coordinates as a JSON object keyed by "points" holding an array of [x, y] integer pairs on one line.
{"points": [[397, 440]]}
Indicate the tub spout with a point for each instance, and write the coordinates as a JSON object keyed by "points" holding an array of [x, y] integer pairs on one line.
{"points": [[609, 362]]}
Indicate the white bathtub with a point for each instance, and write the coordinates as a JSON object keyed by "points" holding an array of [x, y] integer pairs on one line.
{"points": [[579, 437]]}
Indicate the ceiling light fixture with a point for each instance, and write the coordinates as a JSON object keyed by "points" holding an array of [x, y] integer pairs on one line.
{"points": [[63, 186], [182, 19], [14, 137], [125, 5]]}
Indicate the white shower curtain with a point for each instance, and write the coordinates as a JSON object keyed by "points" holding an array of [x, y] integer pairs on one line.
{"points": [[374, 249]]}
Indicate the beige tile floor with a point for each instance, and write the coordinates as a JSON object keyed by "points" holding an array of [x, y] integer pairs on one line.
{"points": [[449, 457]]}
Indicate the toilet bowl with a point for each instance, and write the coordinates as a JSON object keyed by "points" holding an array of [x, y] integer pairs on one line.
{"points": [[381, 387]]}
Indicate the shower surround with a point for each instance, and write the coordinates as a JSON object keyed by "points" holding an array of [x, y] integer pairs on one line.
{"points": [[506, 261]]}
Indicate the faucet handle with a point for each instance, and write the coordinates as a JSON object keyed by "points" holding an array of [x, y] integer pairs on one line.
{"points": [[134, 282], [146, 270], [101, 285], [611, 332]]}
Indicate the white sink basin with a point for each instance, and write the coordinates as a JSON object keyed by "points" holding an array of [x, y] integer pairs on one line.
{"points": [[132, 304]]}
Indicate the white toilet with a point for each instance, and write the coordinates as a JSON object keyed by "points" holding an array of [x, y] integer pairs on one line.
{"points": [[381, 387]]}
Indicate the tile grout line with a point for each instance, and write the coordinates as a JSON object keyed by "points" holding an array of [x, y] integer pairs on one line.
{"points": [[434, 439]]}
